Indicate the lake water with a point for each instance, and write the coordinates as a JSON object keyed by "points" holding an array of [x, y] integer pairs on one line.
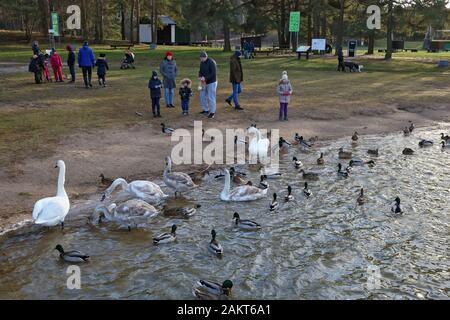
{"points": [[313, 248]]}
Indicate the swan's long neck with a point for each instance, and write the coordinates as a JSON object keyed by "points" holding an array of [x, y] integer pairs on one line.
{"points": [[105, 211], [226, 187], [258, 135], [61, 192], [118, 182], [168, 168]]}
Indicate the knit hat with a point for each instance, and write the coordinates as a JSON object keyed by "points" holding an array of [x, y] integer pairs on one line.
{"points": [[284, 75], [168, 53], [154, 74], [102, 55], [203, 54]]}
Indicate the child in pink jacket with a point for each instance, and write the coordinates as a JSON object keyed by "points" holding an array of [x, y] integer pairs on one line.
{"points": [[56, 62]]}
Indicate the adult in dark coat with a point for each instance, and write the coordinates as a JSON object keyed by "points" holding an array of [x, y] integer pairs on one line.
{"points": [[340, 55], [168, 68], [35, 48], [236, 78], [71, 62], [155, 85]]}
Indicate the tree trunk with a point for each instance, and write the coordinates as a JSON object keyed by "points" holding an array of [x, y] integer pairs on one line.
{"points": [[339, 37], [283, 22], [138, 13], [84, 27], [44, 12], [390, 29], [226, 35], [131, 21], [310, 8], [371, 47], [122, 21]]}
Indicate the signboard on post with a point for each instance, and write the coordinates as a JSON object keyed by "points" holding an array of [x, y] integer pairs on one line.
{"points": [[319, 44], [55, 24], [294, 21]]}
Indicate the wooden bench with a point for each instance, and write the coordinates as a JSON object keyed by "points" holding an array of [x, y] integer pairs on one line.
{"points": [[122, 45], [202, 44]]}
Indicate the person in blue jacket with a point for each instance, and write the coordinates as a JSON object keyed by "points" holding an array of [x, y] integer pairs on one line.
{"points": [[155, 85], [86, 61]]}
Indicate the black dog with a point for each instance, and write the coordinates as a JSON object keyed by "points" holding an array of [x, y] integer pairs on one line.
{"points": [[352, 66]]}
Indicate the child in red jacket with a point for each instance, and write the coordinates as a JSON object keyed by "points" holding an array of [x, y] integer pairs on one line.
{"points": [[56, 62], [45, 70]]}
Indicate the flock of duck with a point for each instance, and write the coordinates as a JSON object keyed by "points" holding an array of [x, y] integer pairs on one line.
{"points": [[135, 205]]}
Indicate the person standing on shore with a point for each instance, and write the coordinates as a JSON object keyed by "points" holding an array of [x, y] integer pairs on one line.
{"points": [[154, 84], [35, 48], [340, 55], [236, 77], [86, 61], [208, 76], [168, 68], [71, 62], [57, 65], [284, 91]]}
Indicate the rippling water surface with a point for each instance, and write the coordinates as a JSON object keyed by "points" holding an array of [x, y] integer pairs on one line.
{"points": [[316, 248]]}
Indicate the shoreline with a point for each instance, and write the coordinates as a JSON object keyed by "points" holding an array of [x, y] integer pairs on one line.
{"points": [[36, 183]]}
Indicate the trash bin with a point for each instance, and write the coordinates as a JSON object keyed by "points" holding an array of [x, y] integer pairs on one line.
{"points": [[352, 48]]}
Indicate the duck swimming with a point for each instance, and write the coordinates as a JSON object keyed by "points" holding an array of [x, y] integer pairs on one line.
{"points": [[289, 196], [105, 181], [306, 191], [411, 127], [241, 193], [406, 132], [71, 256], [177, 181], [425, 143], [408, 151], [309, 175], [283, 144], [245, 224], [297, 163], [166, 237], [263, 184], [208, 290], [445, 137], [355, 137], [396, 207], [321, 160], [185, 212], [343, 174], [301, 141], [274, 205], [373, 152], [361, 198], [344, 154], [445, 145], [214, 246]]}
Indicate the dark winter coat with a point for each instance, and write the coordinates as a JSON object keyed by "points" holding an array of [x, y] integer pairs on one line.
{"points": [[35, 65], [208, 69], [168, 68], [102, 66], [86, 57], [155, 88], [71, 58], [185, 93], [236, 74], [35, 49], [340, 56]]}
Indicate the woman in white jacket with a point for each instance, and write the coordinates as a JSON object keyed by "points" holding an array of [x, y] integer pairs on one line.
{"points": [[284, 92]]}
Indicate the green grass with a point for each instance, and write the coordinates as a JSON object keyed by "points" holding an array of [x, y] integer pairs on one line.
{"points": [[33, 118]]}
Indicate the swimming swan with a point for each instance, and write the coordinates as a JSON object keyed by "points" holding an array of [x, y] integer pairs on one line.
{"points": [[258, 146], [241, 193], [178, 181], [141, 189], [52, 211]]}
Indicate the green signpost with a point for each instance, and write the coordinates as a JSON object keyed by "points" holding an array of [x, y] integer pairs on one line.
{"points": [[55, 24], [294, 21]]}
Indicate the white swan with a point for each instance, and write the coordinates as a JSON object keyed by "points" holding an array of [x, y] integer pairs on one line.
{"points": [[241, 193], [52, 211], [132, 213], [178, 181], [141, 189], [258, 147]]}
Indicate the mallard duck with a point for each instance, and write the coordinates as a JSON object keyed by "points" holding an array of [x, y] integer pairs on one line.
{"points": [[238, 140], [166, 237], [237, 176], [185, 212], [263, 184], [373, 152], [301, 141], [71, 256], [425, 143], [283, 144], [177, 181], [408, 151], [297, 163], [356, 163], [321, 160], [411, 127], [396, 207], [343, 174], [208, 290], [214, 246], [289, 196], [52, 211], [241, 193], [406, 132], [306, 191], [355, 137], [445, 145], [274, 205], [445, 137], [105, 181], [245, 224], [309, 175], [361, 198], [344, 154], [166, 130]]}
